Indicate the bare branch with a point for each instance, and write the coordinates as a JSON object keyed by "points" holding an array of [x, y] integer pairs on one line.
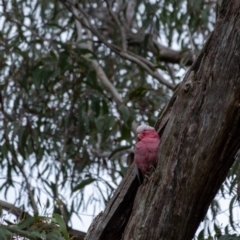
{"points": [[171, 72], [88, 43], [144, 63], [12, 209], [120, 26], [28, 186], [191, 41], [120, 206], [100, 73], [169, 55], [99, 70], [154, 73], [130, 11], [19, 213], [162, 52]]}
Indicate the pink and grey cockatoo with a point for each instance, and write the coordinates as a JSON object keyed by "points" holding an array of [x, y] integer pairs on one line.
{"points": [[146, 148]]}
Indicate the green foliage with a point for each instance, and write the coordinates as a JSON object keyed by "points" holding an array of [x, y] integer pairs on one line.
{"points": [[63, 136], [229, 237], [83, 184], [35, 228]]}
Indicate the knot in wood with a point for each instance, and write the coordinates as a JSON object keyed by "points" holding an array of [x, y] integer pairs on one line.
{"points": [[187, 86]]}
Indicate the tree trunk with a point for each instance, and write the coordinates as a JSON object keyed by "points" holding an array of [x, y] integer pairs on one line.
{"points": [[200, 135]]}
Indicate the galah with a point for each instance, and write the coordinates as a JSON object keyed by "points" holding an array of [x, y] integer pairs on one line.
{"points": [[145, 153]]}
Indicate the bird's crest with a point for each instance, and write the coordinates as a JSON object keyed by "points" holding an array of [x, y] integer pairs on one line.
{"points": [[144, 127]]}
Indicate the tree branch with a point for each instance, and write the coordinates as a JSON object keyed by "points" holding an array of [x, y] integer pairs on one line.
{"points": [[148, 66], [162, 52], [19, 213], [15, 160], [12, 209], [130, 12], [100, 73], [200, 136], [106, 83], [111, 223], [119, 25]]}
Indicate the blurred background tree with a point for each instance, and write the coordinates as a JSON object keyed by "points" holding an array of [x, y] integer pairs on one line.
{"points": [[77, 77]]}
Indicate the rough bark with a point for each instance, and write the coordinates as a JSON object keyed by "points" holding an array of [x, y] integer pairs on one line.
{"points": [[200, 135], [199, 142]]}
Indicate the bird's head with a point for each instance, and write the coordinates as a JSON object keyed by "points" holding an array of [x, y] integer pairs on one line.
{"points": [[142, 129]]}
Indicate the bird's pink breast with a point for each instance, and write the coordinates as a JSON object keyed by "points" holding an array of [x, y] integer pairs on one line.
{"points": [[146, 150]]}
